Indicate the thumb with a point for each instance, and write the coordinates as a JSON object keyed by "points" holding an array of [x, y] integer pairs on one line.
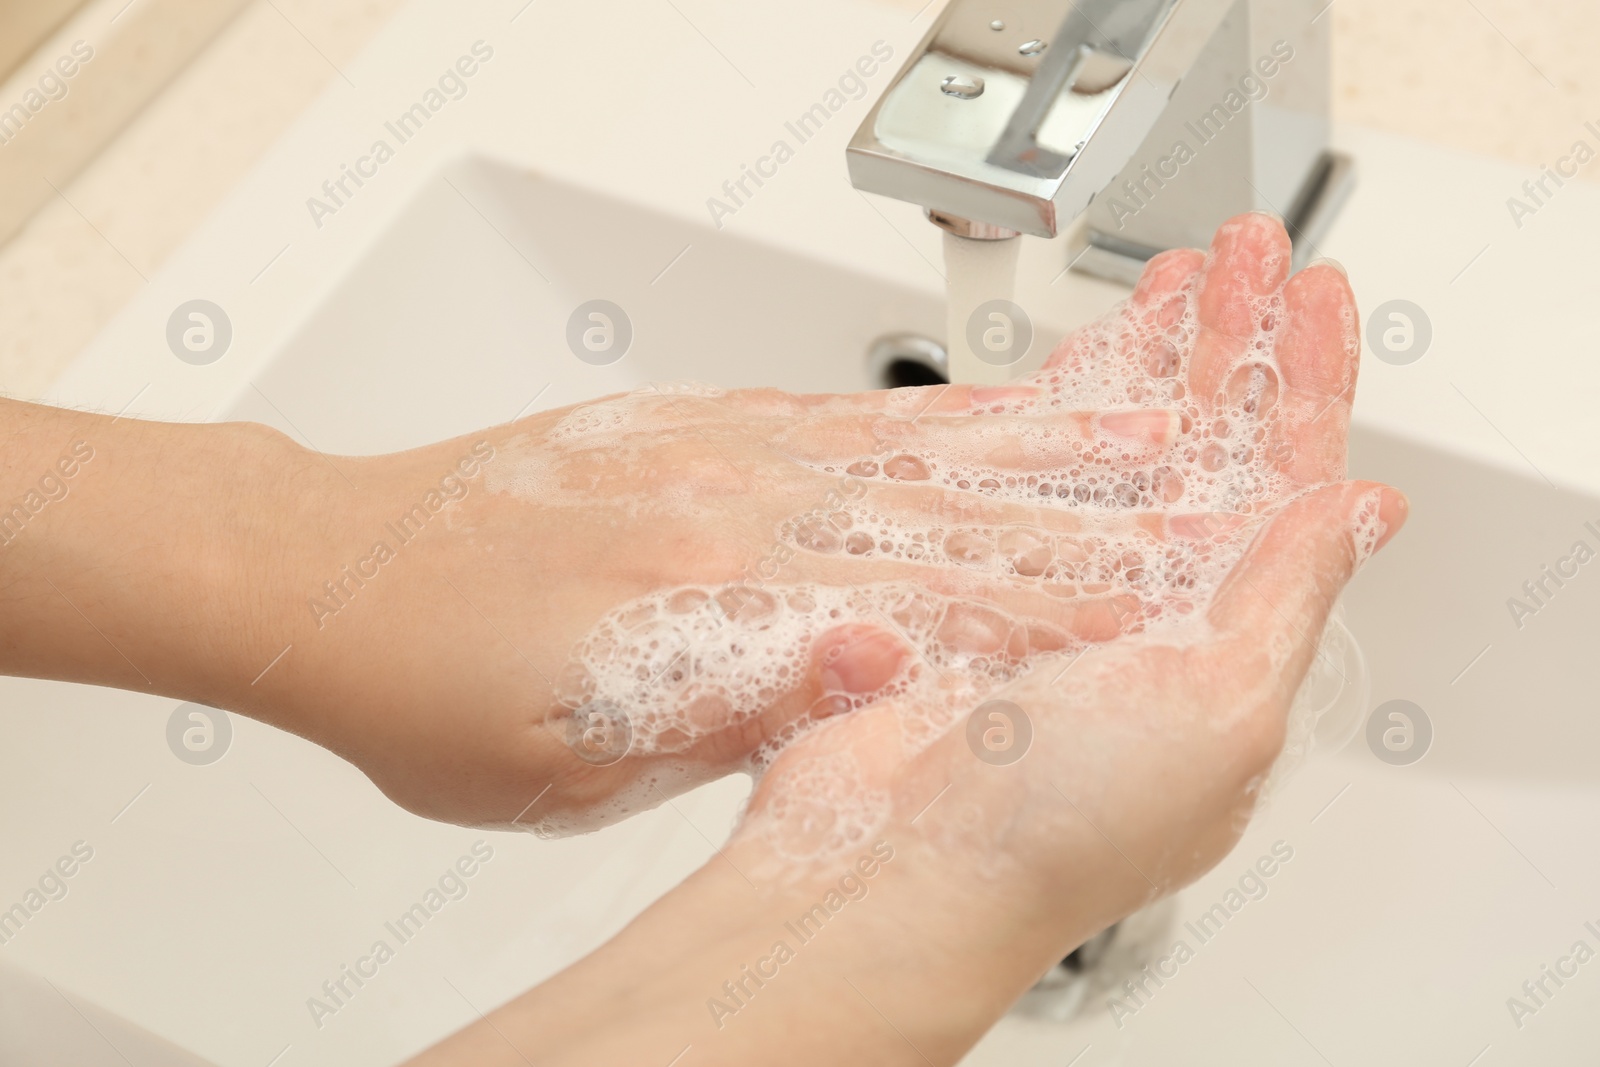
{"points": [[1278, 597], [853, 661]]}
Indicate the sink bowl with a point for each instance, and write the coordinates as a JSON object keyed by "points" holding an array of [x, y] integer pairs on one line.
{"points": [[1413, 889], [1407, 903]]}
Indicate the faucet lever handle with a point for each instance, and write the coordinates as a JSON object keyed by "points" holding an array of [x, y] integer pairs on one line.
{"points": [[1019, 120]]}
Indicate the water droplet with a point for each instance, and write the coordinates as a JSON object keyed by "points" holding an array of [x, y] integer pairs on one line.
{"points": [[1033, 47], [964, 86], [997, 25]]}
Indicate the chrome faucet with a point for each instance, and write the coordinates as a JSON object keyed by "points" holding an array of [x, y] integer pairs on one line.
{"points": [[1151, 120]]}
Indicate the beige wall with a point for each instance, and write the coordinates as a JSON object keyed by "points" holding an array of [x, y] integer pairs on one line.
{"points": [[24, 23], [82, 255], [1504, 78]]}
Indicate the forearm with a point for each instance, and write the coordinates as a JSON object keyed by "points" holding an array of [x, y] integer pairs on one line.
{"points": [[195, 561], [911, 966], [127, 548]]}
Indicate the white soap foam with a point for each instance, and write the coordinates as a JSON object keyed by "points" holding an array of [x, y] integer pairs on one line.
{"points": [[1152, 530]]}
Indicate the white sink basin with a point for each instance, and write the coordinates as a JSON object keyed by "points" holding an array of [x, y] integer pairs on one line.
{"points": [[1394, 935], [1403, 902], [1418, 899]]}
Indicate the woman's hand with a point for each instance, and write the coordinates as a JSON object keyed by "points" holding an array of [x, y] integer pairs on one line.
{"points": [[415, 612], [1157, 739], [436, 661], [584, 515], [1146, 757]]}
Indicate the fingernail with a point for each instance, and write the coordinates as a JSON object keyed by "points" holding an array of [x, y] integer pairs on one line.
{"points": [[1273, 215], [1326, 262], [857, 662], [1157, 426], [1393, 510]]}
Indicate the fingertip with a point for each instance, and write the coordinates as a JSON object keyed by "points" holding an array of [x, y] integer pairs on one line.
{"points": [[1394, 508], [1167, 272], [1253, 248], [1320, 346], [857, 659], [1332, 264]]}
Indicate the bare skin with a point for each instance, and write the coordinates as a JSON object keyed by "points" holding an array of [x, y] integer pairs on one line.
{"points": [[184, 560], [1144, 767]]}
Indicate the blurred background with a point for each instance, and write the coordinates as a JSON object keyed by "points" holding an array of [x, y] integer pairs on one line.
{"points": [[183, 96]]}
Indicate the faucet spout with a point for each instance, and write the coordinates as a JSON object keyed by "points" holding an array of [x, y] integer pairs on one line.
{"points": [[1153, 120]]}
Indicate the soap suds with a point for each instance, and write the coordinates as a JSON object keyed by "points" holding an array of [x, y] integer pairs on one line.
{"points": [[1146, 528]]}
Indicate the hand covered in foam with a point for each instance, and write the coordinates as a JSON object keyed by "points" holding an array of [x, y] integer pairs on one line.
{"points": [[1132, 619], [1112, 494], [732, 570], [1148, 749], [656, 589]]}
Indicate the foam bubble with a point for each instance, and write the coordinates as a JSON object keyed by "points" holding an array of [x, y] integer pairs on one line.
{"points": [[1151, 529]]}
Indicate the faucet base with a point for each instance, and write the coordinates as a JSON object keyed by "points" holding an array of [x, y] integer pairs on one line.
{"points": [[976, 231], [1326, 188]]}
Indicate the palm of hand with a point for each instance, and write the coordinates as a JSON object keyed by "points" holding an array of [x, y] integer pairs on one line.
{"points": [[1152, 739]]}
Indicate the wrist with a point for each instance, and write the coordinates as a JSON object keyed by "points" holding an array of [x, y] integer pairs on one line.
{"points": [[905, 960]]}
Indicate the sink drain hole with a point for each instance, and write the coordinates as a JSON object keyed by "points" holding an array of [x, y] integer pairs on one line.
{"points": [[906, 359]]}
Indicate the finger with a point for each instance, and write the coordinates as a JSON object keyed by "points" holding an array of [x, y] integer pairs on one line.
{"points": [[1167, 275], [1160, 292], [936, 447], [849, 664], [991, 540], [1052, 443], [856, 660], [929, 524], [1319, 350], [911, 402], [1082, 591], [1084, 588], [1272, 608], [1249, 261]]}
